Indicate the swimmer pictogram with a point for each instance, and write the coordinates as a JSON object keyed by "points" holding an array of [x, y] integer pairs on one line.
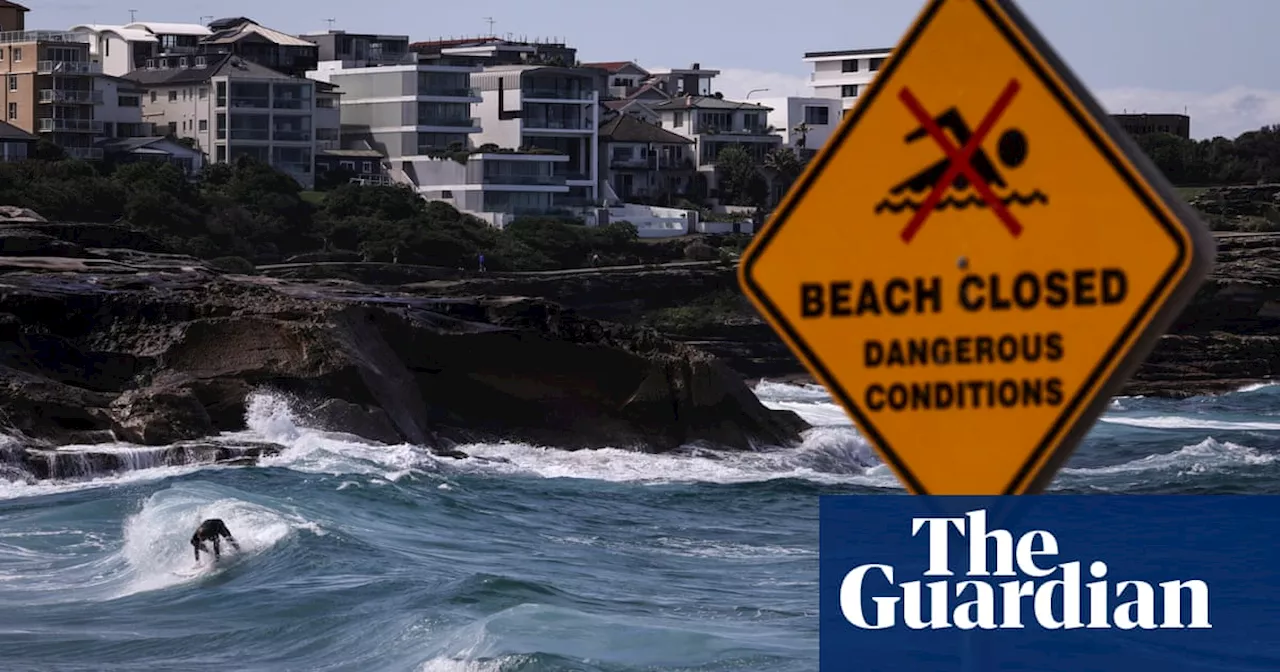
{"points": [[963, 168]]}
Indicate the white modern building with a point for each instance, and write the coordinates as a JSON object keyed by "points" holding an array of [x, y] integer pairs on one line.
{"points": [[805, 123], [545, 108], [233, 107], [495, 186], [844, 75], [121, 49], [118, 105], [408, 111], [716, 123]]}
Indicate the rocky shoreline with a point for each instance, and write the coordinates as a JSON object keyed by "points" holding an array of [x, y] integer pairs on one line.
{"points": [[106, 338]]}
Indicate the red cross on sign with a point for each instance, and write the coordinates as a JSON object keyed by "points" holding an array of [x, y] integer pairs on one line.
{"points": [[960, 160]]}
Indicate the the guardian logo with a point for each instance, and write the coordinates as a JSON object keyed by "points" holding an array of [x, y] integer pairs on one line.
{"points": [[1054, 603]]}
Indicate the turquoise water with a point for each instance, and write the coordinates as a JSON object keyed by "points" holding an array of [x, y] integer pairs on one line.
{"points": [[371, 557]]}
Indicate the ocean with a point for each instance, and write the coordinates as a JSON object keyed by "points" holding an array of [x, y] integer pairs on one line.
{"points": [[370, 557]]}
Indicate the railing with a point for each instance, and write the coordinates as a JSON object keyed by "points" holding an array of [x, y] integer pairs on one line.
{"points": [[71, 125], [261, 134], [84, 153], [451, 122], [23, 36], [545, 180], [720, 130], [285, 135], [294, 168], [68, 68], [465, 92], [555, 94], [555, 125], [252, 103], [291, 103], [630, 163], [90, 97]]}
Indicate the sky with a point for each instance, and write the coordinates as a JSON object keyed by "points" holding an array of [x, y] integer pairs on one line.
{"points": [[1212, 59]]}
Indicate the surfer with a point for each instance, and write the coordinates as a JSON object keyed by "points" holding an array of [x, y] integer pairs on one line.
{"points": [[212, 529]]}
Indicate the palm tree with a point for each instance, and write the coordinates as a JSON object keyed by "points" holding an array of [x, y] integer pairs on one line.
{"points": [[784, 166]]}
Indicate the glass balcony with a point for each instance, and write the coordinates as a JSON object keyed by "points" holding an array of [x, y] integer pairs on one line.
{"points": [[464, 92], [290, 135], [259, 134], [512, 178], [74, 97], [69, 125], [451, 122], [68, 68], [555, 94]]}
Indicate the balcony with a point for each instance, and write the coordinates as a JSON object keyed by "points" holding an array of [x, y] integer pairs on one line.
{"points": [[451, 122], [291, 103], [446, 92], [84, 153], [759, 131], [68, 68], [74, 97], [289, 135], [630, 162], [556, 94], [26, 36], [68, 126], [255, 134], [244, 102], [533, 124], [511, 178]]}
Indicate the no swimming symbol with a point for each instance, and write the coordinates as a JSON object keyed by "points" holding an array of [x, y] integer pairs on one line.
{"points": [[963, 167]]}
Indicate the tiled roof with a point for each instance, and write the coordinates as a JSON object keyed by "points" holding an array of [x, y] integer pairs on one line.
{"points": [[626, 128], [613, 67], [706, 103], [240, 31], [6, 3], [225, 65]]}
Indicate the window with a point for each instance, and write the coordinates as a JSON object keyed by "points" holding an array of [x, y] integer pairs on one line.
{"points": [[128, 101], [153, 96], [204, 92], [677, 119], [173, 127], [366, 167], [13, 82], [13, 110], [849, 65], [204, 125], [173, 95], [222, 153], [1, 54], [17, 53], [849, 91], [817, 115], [876, 63]]}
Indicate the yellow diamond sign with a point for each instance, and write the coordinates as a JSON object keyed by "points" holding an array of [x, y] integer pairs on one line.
{"points": [[977, 259]]}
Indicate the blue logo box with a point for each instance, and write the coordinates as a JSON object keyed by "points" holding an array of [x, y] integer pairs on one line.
{"points": [[1058, 582]]}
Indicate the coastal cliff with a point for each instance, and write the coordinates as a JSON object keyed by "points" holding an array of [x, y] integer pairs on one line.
{"points": [[107, 338], [1227, 337]]}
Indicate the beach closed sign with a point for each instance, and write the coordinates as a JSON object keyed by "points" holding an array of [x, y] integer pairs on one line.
{"points": [[977, 259]]}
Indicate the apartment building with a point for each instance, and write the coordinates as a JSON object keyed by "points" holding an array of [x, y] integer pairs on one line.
{"points": [[259, 44], [716, 123], [49, 88], [496, 186], [546, 108], [623, 78], [805, 123], [412, 108], [645, 159], [233, 107], [358, 50], [124, 48], [844, 75], [118, 106]]}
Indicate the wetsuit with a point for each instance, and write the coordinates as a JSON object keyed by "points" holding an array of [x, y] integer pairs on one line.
{"points": [[212, 529]]}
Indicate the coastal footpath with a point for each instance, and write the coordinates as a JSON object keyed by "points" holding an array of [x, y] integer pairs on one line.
{"points": [[108, 337]]}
